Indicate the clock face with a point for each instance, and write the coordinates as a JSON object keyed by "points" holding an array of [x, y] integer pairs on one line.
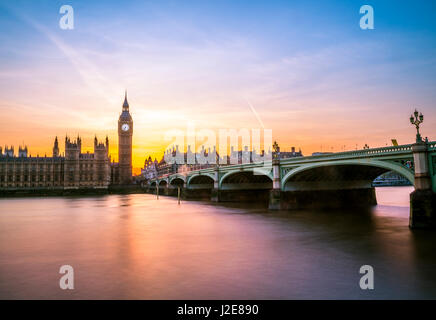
{"points": [[125, 127]]}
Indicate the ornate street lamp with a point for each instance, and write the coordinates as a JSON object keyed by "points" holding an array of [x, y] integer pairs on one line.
{"points": [[416, 120]]}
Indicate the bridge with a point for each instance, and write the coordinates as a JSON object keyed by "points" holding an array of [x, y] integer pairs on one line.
{"points": [[329, 180]]}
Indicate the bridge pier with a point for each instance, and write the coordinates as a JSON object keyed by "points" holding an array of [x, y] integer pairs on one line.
{"points": [[183, 191], [171, 191], [215, 195], [327, 199], [275, 194], [423, 199], [215, 192]]}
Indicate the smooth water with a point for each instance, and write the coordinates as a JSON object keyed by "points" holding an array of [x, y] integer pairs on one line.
{"points": [[138, 247]]}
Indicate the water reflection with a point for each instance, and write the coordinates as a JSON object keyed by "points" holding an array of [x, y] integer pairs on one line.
{"points": [[138, 247]]}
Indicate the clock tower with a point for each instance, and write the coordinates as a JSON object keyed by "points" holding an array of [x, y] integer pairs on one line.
{"points": [[125, 132]]}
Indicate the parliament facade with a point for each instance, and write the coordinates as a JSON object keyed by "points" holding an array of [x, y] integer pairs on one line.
{"points": [[73, 169]]}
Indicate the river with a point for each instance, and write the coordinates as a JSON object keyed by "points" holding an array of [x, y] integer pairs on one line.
{"points": [[138, 247]]}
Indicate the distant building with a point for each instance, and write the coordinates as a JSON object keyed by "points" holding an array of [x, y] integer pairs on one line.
{"points": [[391, 178], [9, 152], [22, 152], [150, 169], [154, 168], [291, 154]]}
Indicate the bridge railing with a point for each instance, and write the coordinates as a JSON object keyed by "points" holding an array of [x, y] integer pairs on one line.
{"points": [[381, 150], [366, 152]]}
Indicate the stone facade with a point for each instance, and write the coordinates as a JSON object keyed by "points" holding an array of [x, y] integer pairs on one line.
{"points": [[86, 170], [75, 170], [125, 133]]}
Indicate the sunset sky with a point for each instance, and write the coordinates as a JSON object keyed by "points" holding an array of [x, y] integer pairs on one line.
{"points": [[306, 68]]}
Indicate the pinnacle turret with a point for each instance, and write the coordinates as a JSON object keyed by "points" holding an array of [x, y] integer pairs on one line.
{"points": [[126, 103]]}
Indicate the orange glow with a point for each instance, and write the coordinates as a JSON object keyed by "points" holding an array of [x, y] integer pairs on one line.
{"points": [[323, 132]]}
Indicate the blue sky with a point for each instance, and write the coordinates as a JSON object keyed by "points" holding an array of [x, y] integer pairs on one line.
{"points": [[308, 69]]}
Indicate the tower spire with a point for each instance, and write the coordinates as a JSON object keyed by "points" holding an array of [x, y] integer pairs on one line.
{"points": [[125, 104], [125, 131]]}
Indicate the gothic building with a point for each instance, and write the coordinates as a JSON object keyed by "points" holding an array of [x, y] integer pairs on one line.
{"points": [[74, 169], [86, 170], [125, 133]]}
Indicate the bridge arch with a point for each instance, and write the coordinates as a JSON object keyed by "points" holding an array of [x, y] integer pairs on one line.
{"points": [[177, 177], [163, 183], [247, 177], [200, 178], [176, 182], [383, 166]]}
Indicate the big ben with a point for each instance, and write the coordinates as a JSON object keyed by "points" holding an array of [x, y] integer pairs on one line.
{"points": [[125, 132]]}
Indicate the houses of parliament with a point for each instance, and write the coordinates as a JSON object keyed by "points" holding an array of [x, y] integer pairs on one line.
{"points": [[73, 169]]}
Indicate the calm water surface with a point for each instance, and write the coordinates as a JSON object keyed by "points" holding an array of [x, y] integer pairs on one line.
{"points": [[137, 247]]}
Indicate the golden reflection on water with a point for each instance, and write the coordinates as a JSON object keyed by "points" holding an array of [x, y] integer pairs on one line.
{"points": [[138, 247]]}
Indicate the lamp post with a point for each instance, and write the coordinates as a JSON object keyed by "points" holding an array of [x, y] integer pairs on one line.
{"points": [[422, 209], [275, 193], [416, 120]]}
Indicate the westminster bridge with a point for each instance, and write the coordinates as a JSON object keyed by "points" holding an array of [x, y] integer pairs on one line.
{"points": [[329, 180]]}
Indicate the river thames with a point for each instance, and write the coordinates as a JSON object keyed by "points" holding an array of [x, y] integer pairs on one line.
{"points": [[138, 247]]}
